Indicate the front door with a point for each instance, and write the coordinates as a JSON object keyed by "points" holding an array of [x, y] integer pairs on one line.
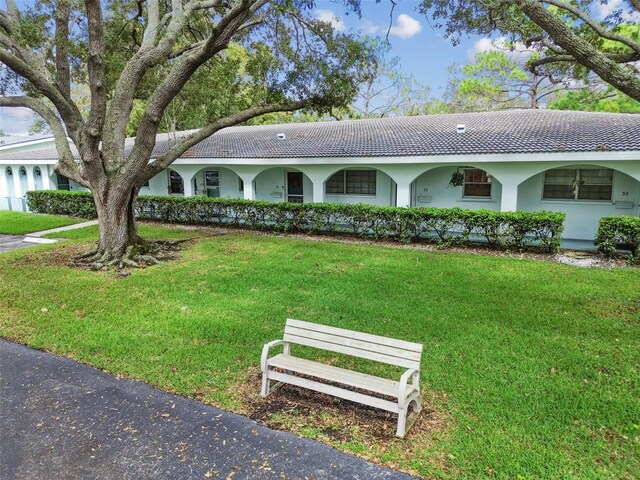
{"points": [[212, 183], [295, 193]]}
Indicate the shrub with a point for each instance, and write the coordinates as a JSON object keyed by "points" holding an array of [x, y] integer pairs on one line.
{"points": [[445, 226], [619, 233], [60, 202]]}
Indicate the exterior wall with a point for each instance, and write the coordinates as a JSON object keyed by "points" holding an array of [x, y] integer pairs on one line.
{"points": [[416, 181], [431, 189], [582, 215]]}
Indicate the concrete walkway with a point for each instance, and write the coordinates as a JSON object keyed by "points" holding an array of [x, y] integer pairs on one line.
{"points": [[62, 229], [61, 419]]}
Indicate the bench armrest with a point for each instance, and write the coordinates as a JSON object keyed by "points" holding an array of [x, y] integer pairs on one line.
{"points": [[402, 386], [265, 352]]}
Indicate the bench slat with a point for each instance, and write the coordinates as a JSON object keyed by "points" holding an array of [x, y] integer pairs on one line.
{"points": [[365, 337], [355, 352], [351, 342], [336, 374], [335, 391]]}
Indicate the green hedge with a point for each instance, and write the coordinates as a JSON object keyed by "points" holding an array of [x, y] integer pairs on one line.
{"points": [[619, 232], [61, 202], [446, 226]]}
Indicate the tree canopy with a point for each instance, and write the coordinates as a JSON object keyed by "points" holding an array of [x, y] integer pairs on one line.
{"points": [[562, 33], [141, 59]]}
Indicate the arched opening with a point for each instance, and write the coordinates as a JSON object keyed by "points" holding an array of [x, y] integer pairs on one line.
{"points": [[283, 184], [217, 181], [464, 186], [176, 183], [584, 192], [37, 177], [356, 184], [24, 183], [10, 185]]}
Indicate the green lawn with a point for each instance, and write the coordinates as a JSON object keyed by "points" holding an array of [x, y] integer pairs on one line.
{"points": [[534, 364], [18, 223]]}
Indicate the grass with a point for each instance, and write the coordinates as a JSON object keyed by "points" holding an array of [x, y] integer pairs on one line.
{"points": [[18, 223], [535, 364]]}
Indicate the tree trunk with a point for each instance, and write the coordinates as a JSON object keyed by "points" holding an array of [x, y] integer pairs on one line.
{"points": [[118, 229]]}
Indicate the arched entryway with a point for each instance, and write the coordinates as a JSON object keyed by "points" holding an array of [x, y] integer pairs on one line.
{"points": [[584, 192], [283, 184], [464, 186], [37, 178], [215, 181], [358, 184]]}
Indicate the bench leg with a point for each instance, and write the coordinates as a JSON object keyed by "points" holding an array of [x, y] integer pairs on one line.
{"points": [[402, 422], [265, 385], [417, 404]]}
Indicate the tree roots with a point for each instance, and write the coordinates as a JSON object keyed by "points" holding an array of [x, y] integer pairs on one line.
{"points": [[139, 255]]}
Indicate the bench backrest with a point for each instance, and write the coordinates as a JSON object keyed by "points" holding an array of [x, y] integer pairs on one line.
{"points": [[363, 345]]}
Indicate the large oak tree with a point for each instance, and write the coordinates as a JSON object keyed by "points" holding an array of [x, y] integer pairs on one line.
{"points": [[144, 53]]}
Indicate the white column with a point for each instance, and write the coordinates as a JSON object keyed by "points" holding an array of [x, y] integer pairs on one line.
{"points": [[4, 185], [248, 179], [187, 180], [17, 185], [317, 180], [509, 200], [403, 194], [31, 179], [46, 180]]}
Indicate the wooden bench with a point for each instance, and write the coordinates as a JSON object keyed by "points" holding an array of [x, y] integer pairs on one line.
{"points": [[285, 368]]}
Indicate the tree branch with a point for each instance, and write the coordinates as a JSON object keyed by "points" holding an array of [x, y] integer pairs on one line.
{"points": [[95, 67], [604, 33], [67, 164], [581, 50], [61, 40]]}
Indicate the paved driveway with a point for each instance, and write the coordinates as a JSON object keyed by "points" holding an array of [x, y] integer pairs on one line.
{"points": [[11, 242], [63, 420]]}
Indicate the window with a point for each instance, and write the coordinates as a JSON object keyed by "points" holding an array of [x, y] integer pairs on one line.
{"points": [[578, 184], [63, 183], [23, 172], [240, 185], [146, 184], [352, 182], [477, 183], [176, 184]]}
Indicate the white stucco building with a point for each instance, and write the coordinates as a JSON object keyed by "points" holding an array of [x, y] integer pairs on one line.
{"points": [[584, 164]]}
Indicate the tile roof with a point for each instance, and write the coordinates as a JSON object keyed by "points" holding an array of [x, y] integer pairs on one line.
{"points": [[511, 131]]}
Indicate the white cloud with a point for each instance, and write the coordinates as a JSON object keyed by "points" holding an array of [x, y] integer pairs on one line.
{"points": [[330, 17], [606, 9], [519, 54], [369, 28], [16, 120], [406, 27]]}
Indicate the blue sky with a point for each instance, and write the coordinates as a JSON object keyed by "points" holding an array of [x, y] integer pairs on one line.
{"points": [[422, 49]]}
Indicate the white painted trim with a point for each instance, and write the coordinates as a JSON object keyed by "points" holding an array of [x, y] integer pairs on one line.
{"points": [[630, 155]]}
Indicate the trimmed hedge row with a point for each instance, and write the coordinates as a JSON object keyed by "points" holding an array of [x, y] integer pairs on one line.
{"points": [[446, 226], [61, 202], [619, 232]]}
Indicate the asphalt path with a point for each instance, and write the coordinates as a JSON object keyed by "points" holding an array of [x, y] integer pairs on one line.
{"points": [[60, 419]]}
